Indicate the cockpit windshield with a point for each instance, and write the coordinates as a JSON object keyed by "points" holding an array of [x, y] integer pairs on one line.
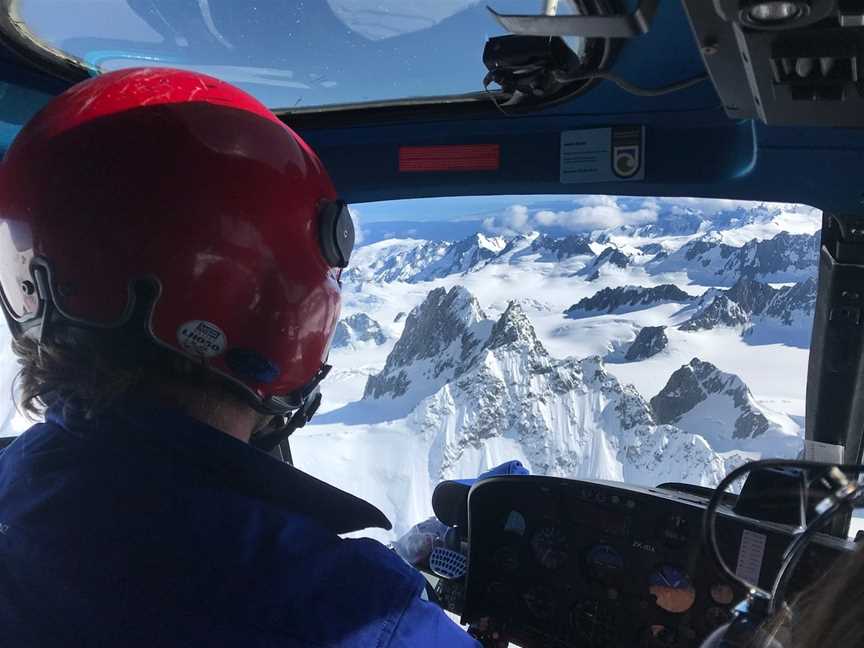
{"points": [[644, 340]]}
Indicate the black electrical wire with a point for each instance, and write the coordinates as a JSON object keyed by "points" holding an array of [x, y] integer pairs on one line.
{"points": [[639, 91], [623, 84], [793, 553]]}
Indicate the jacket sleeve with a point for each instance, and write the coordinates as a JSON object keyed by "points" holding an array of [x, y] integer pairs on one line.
{"points": [[425, 625]]}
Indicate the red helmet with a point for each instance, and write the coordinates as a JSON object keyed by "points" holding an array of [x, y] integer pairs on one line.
{"points": [[182, 182]]}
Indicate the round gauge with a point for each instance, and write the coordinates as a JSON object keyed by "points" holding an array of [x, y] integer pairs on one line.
{"points": [[658, 636], [550, 547], [603, 560], [671, 588], [540, 602], [722, 594]]}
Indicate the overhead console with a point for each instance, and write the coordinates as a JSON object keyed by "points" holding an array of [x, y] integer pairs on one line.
{"points": [[558, 562], [786, 62]]}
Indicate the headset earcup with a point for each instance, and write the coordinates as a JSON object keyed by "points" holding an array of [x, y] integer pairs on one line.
{"points": [[336, 233]]}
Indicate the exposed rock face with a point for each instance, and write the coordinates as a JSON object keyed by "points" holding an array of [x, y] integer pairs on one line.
{"points": [[611, 256], [624, 298], [720, 311], [718, 403], [786, 257], [426, 260], [753, 305], [650, 341], [651, 248], [358, 328], [562, 248], [752, 296], [481, 389], [793, 302], [440, 334]]}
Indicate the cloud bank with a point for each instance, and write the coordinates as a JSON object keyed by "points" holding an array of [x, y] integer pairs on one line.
{"points": [[597, 212]]}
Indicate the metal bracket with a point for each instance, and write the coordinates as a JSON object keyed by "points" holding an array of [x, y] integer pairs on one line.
{"points": [[618, 26]]}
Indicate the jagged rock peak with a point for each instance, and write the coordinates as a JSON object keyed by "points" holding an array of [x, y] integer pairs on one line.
{"points": [[694, 383], [650, 341], [514, 328], [564, 247], [720, 311], [359, 327], [800, 297], [431, 327], [752, 296], [614, 256], [612, 299], [440, 334]]}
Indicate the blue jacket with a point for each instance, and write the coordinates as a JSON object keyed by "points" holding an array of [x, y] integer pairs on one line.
{"points": [[151, 529]]}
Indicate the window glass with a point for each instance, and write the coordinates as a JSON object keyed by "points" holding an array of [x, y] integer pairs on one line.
{"points": [[644, 340], [288, 54]]}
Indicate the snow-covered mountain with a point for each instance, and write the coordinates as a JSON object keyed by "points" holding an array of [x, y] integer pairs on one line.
{"points": [[488, 389], [562, 247], [622, 299], [441, 335], [709, 261], [701, 399], [650, 341], [357, 328], [415, 261], [611, 257], [706, 260], [717, 310], [761, 311]]}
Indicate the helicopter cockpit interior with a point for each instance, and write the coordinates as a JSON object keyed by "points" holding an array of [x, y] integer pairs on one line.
{"points": [[753, 100]]}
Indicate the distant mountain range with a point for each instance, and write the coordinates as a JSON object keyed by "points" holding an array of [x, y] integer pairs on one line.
{"points": [[469, 382], [705, 260], [784, 257], [759, 310]]}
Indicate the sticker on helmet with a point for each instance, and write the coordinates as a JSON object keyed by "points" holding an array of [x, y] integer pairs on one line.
{"points": [[201, 338]]}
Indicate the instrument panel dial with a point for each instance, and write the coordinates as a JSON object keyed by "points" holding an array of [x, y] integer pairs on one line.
{"points": [[671, 588], [549, 545]]}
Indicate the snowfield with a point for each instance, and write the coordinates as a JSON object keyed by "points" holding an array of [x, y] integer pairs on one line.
{"points": [[560, 396]]}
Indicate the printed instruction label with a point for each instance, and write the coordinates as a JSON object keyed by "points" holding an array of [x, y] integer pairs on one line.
{"points": [[201, 338], [750, 555], [614, 154]]}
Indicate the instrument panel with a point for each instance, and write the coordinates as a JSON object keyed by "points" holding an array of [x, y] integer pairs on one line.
{"points": [[557, 562]]}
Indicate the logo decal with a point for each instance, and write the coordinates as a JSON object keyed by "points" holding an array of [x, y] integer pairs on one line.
{"points": [[200, 338], [627, 151]]}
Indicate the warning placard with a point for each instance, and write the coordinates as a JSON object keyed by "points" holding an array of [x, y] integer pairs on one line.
{"points": [[614, 154], [750, 555]]}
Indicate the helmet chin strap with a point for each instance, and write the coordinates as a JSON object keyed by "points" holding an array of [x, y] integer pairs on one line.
{"points": [[283, 427]]}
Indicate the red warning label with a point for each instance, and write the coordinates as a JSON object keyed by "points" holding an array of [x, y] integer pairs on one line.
{"points": [[467, 157]]}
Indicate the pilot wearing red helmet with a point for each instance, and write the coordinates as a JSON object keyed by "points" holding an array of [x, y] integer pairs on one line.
{"points": [[170, 255]]}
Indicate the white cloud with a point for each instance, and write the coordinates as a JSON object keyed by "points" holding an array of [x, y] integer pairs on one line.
{"points": [[597, 212], [515, 219], [592, 212]]}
